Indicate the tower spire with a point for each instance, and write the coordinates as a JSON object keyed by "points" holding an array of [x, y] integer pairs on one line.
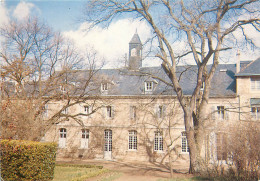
{"points": [[135, 52]]}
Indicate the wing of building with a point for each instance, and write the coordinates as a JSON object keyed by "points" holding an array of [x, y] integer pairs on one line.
{"points": [[137, 116]]}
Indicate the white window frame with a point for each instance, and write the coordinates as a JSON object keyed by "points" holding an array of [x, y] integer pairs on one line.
{"points": [[132, 140], [184, 143], [62, 137], [255, 84], [104, 87], [148, 86], [158, 141], [84, 139]]}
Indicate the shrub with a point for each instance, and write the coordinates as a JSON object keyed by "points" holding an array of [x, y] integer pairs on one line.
{"points": [[27, 160]]}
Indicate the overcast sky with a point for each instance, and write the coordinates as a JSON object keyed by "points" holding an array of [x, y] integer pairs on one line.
{"points": [[111, 43]]}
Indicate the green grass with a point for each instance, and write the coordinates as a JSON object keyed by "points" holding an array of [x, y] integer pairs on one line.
{"points": [[76, 173], [112, 176]]}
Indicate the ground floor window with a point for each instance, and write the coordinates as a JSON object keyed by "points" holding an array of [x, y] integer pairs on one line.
{"points": [[184, 143], [158, 141], [132, 142], [84, 138], [62, 138], [255, 112]]}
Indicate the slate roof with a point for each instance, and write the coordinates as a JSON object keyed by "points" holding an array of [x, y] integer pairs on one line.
{"points": [[135, 39], [130, 83], [252, 68]]}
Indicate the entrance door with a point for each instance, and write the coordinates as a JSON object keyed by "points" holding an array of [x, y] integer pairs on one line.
{"points": [[108, 145]]}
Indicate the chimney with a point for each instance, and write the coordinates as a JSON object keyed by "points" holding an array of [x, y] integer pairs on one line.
{"points": [[238, 61]]}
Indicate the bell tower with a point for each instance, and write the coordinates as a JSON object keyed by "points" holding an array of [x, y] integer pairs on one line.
{"points": [[135, 53]]}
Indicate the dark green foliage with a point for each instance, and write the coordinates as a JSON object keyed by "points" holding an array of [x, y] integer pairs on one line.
{"points": [[27, 160]]}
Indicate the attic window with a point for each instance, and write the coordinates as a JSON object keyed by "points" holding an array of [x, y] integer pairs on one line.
{"points": [[104, 87], [149, 86]]}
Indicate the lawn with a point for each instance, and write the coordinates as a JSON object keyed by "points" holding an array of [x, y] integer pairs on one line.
{"points": [[76, 172]]}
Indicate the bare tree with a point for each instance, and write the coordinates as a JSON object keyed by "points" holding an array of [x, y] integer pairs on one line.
{"points": [[38, 67], [205, 26]]}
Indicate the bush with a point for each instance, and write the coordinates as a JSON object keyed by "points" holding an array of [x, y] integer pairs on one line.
{"points": [[27, 160]]}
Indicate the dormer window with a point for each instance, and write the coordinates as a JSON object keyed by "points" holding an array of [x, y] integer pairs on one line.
{"points": [[149, 86], [104, 87]]}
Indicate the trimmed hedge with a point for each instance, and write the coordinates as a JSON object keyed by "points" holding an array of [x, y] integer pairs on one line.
{"points": [[27, 160]]}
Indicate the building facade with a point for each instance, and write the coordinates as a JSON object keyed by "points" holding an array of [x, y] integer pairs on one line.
{"points": [[137, 117]]}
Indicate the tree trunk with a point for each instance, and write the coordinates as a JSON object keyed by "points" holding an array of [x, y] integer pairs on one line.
{"points": [[193, 143]]}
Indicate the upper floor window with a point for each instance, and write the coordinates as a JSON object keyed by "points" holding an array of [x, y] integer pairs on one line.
{"points": [[87, 109], [221, 112], [184, 143], [109, 112], [65, 111], [158, 141], [148, 86], [45, 110], [160, 111], [255, 84], [132, 112], [132, 142]]}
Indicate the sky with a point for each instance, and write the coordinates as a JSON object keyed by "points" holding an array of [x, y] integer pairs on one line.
{"points": [[111, 43]]}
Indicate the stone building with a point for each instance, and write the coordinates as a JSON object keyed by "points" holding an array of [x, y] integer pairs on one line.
{"points": [[137, 116]]}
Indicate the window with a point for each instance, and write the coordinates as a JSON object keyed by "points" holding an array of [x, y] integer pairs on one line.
{"points": [[221, 146], [109, 111], [84, 139], [255, 84], [221, 112], [132, 112], [132, 142], [158, 141], [62, 89], [104, 87], [65, 111], [255, 112], [184, 143], [45, 110], [160, 111], [255, 108], [87, 110], [62, 139], [149, 86]]}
